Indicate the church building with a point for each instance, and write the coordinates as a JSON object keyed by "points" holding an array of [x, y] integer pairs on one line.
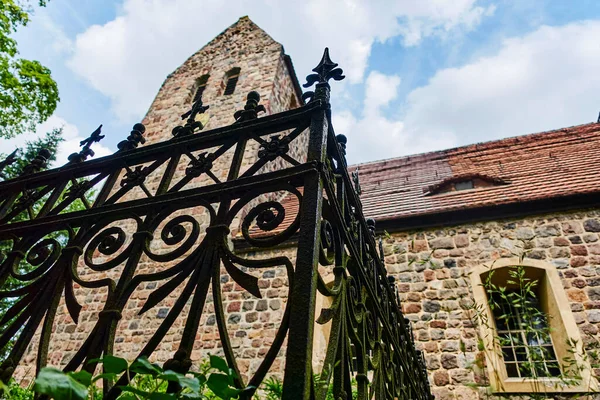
{"points": [[494, 247]]}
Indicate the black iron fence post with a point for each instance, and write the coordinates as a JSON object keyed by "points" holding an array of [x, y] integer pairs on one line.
{"points": [[298, 369]]}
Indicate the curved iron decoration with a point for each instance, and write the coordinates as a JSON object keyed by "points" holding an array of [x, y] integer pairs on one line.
{"points": [[370, 350]]}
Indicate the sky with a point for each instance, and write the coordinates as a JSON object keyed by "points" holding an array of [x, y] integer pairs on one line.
{"points": [[420, 75]]}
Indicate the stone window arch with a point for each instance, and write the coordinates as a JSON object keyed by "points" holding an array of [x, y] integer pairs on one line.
{"points": [[511, 364], [231, 80]]}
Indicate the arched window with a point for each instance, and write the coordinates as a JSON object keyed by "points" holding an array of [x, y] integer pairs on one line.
{"points": [[200, 86], [231, 79], [529, 335]]}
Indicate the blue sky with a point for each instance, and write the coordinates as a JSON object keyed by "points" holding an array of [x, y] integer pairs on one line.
{"points": [[421, 75]]}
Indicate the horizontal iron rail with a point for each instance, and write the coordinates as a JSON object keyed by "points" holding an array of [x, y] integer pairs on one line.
{"points": [[232, 189], [164, 150]]}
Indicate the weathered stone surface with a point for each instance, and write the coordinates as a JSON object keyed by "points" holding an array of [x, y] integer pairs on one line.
{"points": [[431, 306], [592, 225], [593, 316], [441, 378], [449, 361], [441, 243]]}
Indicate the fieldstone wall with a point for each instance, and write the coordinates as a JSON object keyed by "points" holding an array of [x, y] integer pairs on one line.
{"points": [[432, 269]]}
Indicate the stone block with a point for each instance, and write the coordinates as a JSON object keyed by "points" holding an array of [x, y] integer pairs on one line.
{"points": [[548, 230], [591, 225], [524, 233], [441, 378], [442, 243]]}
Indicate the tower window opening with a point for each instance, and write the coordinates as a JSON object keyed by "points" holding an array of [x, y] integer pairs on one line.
{"points": [[200, 86], [231, 79]]}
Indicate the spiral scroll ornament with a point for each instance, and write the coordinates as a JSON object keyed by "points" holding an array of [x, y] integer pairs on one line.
{"points": [[267, 217], [175, 233], [108, 242]]}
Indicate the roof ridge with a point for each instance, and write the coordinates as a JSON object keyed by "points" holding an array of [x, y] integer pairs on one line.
{"points": [[442, 153]]}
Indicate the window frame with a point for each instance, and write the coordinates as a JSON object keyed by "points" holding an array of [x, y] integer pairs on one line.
{"points": [[233, 73], [199, 87], [562, 325]]}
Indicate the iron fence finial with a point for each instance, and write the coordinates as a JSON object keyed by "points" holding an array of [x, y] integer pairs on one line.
{"points": [[325, 71], [86, 150], [9, 160], [134, 139], [251, 109]]}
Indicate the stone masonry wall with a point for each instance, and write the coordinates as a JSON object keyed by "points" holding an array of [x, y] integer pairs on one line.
{"points": [[432, 268]]}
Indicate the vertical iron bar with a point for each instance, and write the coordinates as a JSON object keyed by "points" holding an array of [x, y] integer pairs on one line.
{"points": [[298, 365]]}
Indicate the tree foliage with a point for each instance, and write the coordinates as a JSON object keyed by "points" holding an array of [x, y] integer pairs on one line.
{"points": [[28, 94]]}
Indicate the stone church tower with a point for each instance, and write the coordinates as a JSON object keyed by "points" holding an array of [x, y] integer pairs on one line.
{"points": [[241, 59]]}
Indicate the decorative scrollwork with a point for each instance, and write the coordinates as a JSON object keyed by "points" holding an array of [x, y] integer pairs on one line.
{"points": [[108, 242], [200, 164], [174, 232], [275, 147], [268, 216], [328, 245], [42, 256]]}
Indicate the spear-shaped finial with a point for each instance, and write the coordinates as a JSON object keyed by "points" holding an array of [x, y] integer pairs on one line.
{"points": [[86, 150], [323, 72], [10, 159]]}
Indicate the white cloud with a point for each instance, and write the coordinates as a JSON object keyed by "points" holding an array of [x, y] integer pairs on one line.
{"points": [[127, 58], [58, 39], [545, 80], [375, 136], [68, 146]]}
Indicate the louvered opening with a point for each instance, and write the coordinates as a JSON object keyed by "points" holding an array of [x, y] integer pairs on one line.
{"points": [[200, 86], [231, 80]]}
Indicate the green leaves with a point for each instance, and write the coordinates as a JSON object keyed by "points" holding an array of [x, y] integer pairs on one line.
{"points": [[60, 386], [28, 94], [144, 367], [112, 364], [150, 381], [221, 385], [190, 383]]}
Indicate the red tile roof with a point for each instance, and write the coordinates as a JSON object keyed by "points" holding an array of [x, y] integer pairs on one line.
{"points": [[519, 169], [540, 166]]}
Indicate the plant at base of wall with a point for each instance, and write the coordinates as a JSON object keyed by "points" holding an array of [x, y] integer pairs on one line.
{"points": [[147, 381]]}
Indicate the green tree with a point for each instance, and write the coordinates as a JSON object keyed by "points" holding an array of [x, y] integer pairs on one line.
{"points": [[28, 94]]}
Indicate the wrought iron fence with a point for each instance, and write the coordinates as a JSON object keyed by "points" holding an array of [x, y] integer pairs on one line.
{"points": [[370, 350]]}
